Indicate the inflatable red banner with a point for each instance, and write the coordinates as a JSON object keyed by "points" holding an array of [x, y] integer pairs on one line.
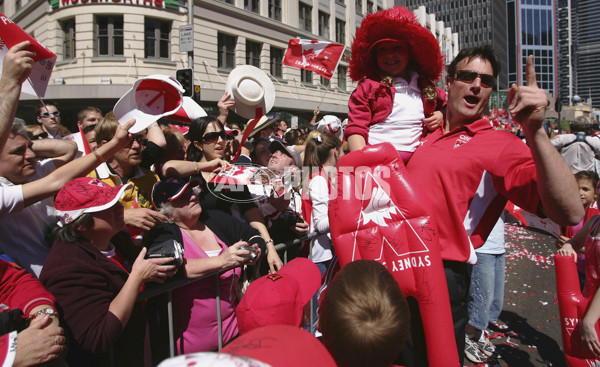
{"points": [[572, 307], [378, 214]]}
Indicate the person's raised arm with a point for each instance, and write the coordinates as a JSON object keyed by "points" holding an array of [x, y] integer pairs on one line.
{"points": [[18, 63], [224, 105], [556, 184], [61, 151], [180, 169], [49, 185], [156, 135]]}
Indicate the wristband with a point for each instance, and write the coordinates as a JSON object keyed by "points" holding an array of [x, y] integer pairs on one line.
{"points": [[270, 240], [45, 311], [197, 168], [99, 157]]}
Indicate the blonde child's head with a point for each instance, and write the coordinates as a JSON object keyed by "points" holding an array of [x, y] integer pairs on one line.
{"points": [[364, 316]]}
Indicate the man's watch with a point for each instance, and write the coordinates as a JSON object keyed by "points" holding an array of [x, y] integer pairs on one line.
{"points": [[45, 311]]}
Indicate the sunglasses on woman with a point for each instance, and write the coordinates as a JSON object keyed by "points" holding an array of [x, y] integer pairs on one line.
{"points": [[214, 136], [48, 114], [468, 76]]}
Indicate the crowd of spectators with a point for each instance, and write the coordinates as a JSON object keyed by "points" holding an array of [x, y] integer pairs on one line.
{"points": [[82, 214]]}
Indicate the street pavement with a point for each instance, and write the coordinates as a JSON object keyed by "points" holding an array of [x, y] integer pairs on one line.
{"points": [[530, 310]]}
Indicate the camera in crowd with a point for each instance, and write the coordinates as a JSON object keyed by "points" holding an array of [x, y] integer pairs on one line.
{"points": [[290, 218], [253, 255], [168, 248]]}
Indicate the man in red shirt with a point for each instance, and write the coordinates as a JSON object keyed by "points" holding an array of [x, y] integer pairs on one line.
{"points": [[469, 170]]}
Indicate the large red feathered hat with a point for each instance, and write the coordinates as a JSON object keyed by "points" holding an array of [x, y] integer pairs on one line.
{"points": [[400, 24]]}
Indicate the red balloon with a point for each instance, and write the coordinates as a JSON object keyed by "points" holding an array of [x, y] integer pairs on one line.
{"points": [[378, 214]]}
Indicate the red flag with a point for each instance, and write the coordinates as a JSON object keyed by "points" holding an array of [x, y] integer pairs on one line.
{"points": [[322, 57]]}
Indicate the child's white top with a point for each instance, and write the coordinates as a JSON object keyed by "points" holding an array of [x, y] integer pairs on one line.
{"points": [[404, 126], [318, 188]]}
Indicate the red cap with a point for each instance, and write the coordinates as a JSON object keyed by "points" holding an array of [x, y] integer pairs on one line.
{"points": [[85, 195], [279, 298], [281, 346]]}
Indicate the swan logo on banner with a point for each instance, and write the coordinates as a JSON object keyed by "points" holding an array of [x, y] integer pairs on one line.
{"points": [[379, 209]]}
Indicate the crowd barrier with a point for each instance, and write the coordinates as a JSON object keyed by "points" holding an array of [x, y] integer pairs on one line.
{"points": [[176, 283]]}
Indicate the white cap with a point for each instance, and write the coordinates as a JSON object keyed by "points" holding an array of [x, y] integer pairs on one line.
{"points": [[330, 124], [149, 99], [189, 111]]}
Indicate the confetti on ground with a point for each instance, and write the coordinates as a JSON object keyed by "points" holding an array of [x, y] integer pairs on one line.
{"points": [[529, 334]]}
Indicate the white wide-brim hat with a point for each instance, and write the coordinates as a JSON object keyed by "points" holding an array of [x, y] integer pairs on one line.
{"points": [[250, 88], [149, 99]]}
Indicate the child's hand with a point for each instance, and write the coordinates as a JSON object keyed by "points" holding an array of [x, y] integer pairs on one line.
{"points": [[567, 250], [434, 121], [560, 241]]}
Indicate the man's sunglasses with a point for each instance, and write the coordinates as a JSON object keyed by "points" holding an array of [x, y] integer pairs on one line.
{"points": [[48, 114], [468, 76], [214, 136], [140, 140], [42, 135]]}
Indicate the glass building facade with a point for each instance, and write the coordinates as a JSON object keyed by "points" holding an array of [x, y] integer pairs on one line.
{"points": [[578, 20], [477, 22], [533, 34]]}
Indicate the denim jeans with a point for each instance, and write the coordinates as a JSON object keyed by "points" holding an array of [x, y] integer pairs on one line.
{"points": [[486, 294]]}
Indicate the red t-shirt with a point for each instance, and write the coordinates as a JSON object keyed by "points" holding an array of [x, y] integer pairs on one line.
{"points": [[467, 175]]}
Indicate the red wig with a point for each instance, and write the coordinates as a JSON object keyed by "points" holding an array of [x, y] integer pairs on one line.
{"points": [[399, 24]]}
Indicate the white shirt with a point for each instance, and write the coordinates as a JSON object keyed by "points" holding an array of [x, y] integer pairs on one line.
{"points": [[404, 126], [318, 191], [23, 230]]}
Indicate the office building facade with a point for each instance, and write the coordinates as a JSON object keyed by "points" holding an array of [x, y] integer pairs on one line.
{"points": [[579, 51], [477, 22]]}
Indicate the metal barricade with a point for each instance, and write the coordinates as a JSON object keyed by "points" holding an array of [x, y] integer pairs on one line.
{"points": [[174, 284]]}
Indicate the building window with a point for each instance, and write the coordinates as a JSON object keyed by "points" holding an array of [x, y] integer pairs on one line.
{"points": [[341, 74], [18, 5], [276, 68], [358, 5], [370, 7], [304, 17], [340, 31], [227, 1], [251, 5], [226, 51], [68, 28], [323, 24], [325, 82], [158, 39], [109, 31], [275, 9], [306, 76], [253, 50]]}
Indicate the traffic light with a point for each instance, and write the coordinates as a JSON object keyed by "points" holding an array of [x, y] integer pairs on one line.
{"points": [[186, 78], [196, 96]]}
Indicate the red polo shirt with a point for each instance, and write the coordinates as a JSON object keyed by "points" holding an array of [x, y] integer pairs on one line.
{"points": [[468, 174]]}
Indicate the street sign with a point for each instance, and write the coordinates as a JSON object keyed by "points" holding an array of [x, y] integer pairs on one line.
{"points": [[186, 38]]}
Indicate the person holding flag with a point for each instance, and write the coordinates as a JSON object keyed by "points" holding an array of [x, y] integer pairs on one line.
{"points": [[396, 61]]}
